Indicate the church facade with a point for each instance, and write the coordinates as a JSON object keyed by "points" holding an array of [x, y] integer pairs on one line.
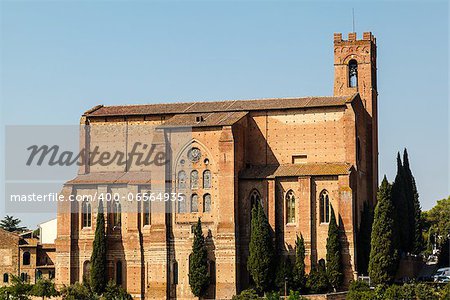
{"points": [[298, 157]]}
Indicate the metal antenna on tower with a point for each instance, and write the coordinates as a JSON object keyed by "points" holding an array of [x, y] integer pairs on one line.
{"points": [[353, 14]]}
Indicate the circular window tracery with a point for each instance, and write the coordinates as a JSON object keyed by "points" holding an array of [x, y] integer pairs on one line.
{"points": [[194, 154]]}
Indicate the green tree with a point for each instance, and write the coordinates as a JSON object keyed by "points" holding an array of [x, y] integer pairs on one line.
{"points": [[334, 261], [415, 211], [317, 282], [44, 288], [430, 241], [443, 259], [77, 291], [437, 220], [402, 230], [299, 265], [198, 263], [383, 255], [260, 260], [360, 290], [18, 290], [115, 292], [439, 217], [98, 259], [283, 274], [363, 237], [11, 224], [445, 292], [248, 294]]}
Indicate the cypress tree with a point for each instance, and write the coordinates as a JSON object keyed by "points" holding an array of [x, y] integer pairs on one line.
{"points": [[198, 263], [299, 266], [334, 261], [317, 282], [98, 258], [416, 242], [284, 274], [402, 232], [363, 237], [383, 254], [260, 260]]}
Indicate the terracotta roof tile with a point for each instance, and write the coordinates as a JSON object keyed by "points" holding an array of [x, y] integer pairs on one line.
{"points": [[218, 106], [207, 119], [112, 177], [294, 170]]}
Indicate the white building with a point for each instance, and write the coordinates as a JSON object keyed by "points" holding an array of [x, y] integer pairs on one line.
{"points": [[47, 232]]}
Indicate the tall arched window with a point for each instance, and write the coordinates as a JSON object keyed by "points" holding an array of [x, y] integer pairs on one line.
{"points": [[175, 272], [194, 179], [86, 214], [24, 277], [39, 274], [207, 179], [353, 73], [117, 214], [358, 150], [212, 271], [86, 270], [147, 208], [255, 197], [290, 207], [119, 272], [26, 258], [5, 278], [194, 203], [207, 202], [324, 207], [181, 179], [182, 204]]}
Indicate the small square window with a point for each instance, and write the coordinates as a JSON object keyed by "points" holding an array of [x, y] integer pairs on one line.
{"points": [[299, 159]]}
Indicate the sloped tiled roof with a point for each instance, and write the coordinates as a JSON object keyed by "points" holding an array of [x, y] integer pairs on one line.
{"points": [[141, 177], [208, 119], [218, 106], [294, 170]]}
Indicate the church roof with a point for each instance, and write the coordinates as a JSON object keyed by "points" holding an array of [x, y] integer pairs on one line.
{"points": [[218, 106], [134, 177], [295, 170], [207, 119]]}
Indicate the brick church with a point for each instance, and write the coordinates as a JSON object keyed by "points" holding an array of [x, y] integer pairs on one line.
{"points": [[296, 156]]}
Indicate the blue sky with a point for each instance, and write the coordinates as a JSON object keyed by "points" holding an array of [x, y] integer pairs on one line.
{"points": [[60, 58]]}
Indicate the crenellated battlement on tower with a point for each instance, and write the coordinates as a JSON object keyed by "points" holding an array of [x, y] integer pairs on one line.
{"points": [[352, 37]]}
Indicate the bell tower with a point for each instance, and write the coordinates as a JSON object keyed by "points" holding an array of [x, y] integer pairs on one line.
{"points": [[355, 71], [355, 68]]}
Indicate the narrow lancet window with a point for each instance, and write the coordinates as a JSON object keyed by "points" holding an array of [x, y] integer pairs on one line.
{"points": [[353, 73]]}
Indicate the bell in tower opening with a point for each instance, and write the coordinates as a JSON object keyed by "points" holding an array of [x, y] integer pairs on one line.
{"points": [[353, 73]]}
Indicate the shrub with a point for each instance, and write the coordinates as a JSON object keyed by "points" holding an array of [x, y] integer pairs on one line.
{"points": [[273, 296], [393, 292], [248, 294], [295, 295], [317, 282], [77, 291], [379, 291], [284, 271], [445, 292], [115, 292], [19, 289], [360, 290], [425, 292], [44, 288]]}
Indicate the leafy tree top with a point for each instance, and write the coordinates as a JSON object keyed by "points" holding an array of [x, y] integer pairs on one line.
{"points": [[439, 217], [11, 224]]}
